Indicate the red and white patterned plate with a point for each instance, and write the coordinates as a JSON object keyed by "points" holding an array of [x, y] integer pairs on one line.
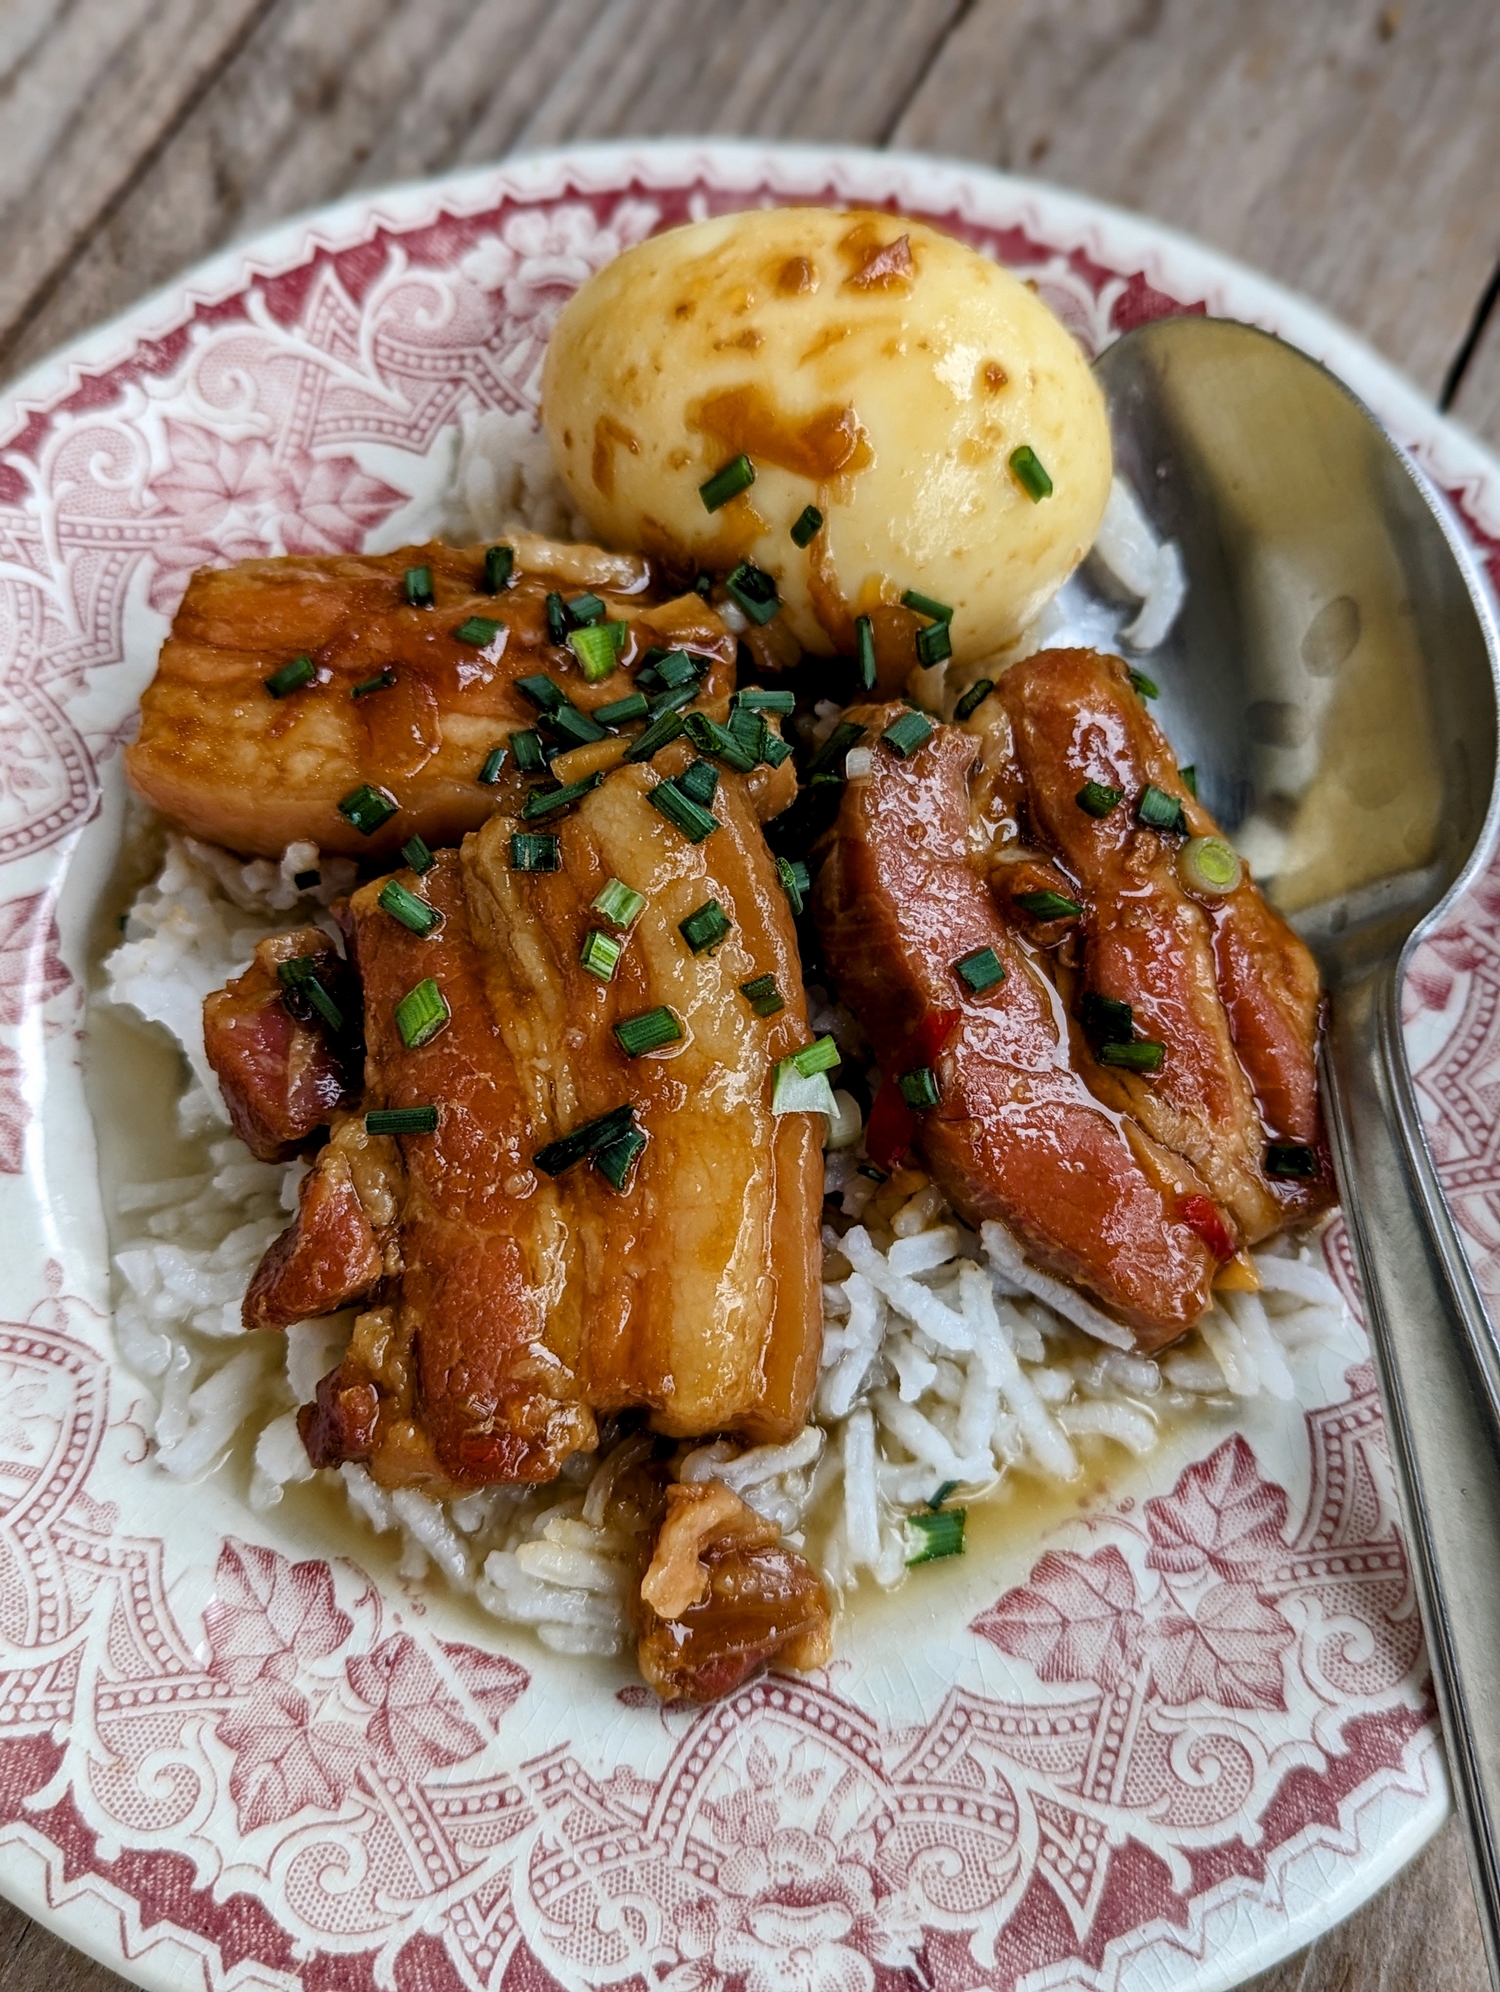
{"points": [[1161, 1743]]}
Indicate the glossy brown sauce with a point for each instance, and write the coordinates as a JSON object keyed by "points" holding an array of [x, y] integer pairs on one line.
{"points": [[828, 444], [608, 436]]}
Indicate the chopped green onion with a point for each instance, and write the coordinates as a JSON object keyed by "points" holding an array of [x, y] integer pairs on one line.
{"points": [[544, 693], [685, 811], [1140, 1055], [622, 711], [660, 733], [905, 735], [1144, 687], [600, 954], [1160, 811], [926, 606], [806, 526], [530, 852], [735, 476], [1048, 906], [705, 927], [499, 565], [982, 970], [417, 855], [774, 750], [421, 1014], [595, 650], [405, 906], [763, 996], [304, 881], [974, 698], [527, 748], [590, 1139], [710, 738], [291, 677], [586, 608], [616, 1161], [546, 802], [1208, 864], [559, 622], [1097, 799], [367, 808], [489, 769], [301, 977], [1291, 1158], [619, 903], [699, 780], [822, 1055], [677, 667], [940, 1494], [830, 756], [795, 1092], [1105, 1019], [930, 1537], [648, 1032], [758, 699], [381, 682], [934, 644], [796, 882], [864, 652], [401, 1120], [1026, 468], [875, 1175], [755, 591], [750, 732], [673, 699], [1188, 776], [478, 631], [417, 586], [920, 1088], [572, 727]]}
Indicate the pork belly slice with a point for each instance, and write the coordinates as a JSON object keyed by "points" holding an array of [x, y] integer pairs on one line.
{"points": [[343, 1243], [219, 755], [1222, 982], [1017, 1135]]}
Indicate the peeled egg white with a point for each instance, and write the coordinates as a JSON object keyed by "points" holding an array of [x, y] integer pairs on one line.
{"points": [[868, 365]]}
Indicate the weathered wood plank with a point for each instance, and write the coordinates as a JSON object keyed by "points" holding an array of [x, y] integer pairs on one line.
{"points": [[1351, 150]]}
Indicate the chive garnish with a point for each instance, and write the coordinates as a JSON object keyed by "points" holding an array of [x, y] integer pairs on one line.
{"points": [[1140, 1055], [774, 749], [757, 699], [926, 606], [1105, 1019], [677, 667], [1097, 799], [830, 756], [936, 1535], [401, 1120], [412, 912], [1144, 687], [572, 727], [421, 1014], [1048, 906], [299, 977], [616, 1161], [685, 811], [763, 996], [940, 1494], [749, 731], [619, 903], [1291, 1158], [796, 882], [499, 565], [1160, 811], [705, 927], [478, 631], [710, 738], [600, 954], [727, 482], [920, 1088], [1026, 468], [304, 881], [806, 526], [1209, 865], [934, 644], [586, 608], [755, 591], [662, 730], [822, 1055], [595, 649], [864, 652], [905, 735], [544, 693], [648, 1031], [673, 699], [699, 780], [418, 856], [381, 682], [794, 1092], [367, 808], [489, 768], [981, 970], [590, 1139], [291, 677], [546, 802], [622, 711], [559, 622], [974, 697], [416, 584], [1188, 776], [532, 852], [527, 748]]}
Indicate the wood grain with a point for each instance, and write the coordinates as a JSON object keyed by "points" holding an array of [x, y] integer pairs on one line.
{"points": [[1348, 147]]}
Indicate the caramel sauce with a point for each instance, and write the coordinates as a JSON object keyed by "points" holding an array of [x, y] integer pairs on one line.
{"points": [[874, 263], [822, 446], [608, 435], [994, 376], [796, 277]]}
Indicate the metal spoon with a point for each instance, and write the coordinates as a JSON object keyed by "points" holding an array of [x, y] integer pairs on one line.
{"points": [[1333, 677]]}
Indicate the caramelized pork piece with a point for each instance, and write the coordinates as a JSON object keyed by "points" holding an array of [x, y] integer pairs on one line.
{"points": [[1016, 1135], [1219, 980], [282, 1071], [722, 1597], [405, 698], [343, 1243]]}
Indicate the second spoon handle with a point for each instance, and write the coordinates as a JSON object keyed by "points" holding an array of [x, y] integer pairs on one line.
{"points": [[1436, 1363]]}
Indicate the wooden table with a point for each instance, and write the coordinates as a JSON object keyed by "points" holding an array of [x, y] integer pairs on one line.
{"points": [[1349, 148]]}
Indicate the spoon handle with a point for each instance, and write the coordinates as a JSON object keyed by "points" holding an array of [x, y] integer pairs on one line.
{"points": [[1441, 1382]]}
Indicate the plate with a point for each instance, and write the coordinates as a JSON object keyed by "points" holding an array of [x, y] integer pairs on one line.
{"points": [[1159, 1740]]}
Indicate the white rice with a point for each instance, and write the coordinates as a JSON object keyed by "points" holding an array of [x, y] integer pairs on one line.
{"points": [[947, 1358]]}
